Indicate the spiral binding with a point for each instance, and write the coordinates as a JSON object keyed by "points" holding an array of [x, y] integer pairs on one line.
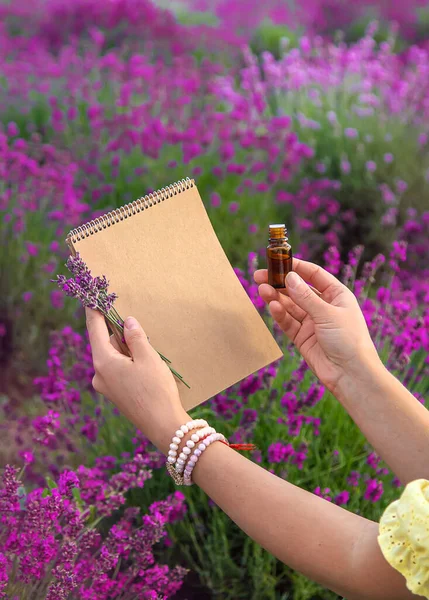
{"points": [[128, 210]]}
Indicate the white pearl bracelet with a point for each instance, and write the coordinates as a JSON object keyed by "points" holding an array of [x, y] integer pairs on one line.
{"points": [[195, 439], [177, 438], [213, 437]]}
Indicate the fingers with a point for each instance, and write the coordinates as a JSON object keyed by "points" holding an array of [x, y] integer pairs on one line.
{"points": [[260, 276], [305, 298], [285, 321], [313, 274], [114, 342], [269, 294], [136, 339], [98, 336]]}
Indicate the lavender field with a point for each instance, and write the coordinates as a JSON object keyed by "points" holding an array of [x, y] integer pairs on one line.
{"points": [[315, 115]]}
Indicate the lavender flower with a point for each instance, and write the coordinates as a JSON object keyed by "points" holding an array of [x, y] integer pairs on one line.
{"points": [[90, 291], [48, 540]]}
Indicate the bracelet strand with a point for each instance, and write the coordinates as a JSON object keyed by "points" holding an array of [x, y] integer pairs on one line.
{"points": [[214, 437], [179, 435], [197, 437], [181, 461]]}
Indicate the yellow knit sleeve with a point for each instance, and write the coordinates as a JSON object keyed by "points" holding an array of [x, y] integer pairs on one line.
{"points": [[404, 536]]}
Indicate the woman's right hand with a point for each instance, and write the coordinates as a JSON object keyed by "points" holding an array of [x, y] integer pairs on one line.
{"points": [[329, 330]]}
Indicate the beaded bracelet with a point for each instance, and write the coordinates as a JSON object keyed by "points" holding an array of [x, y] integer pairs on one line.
{"points": [[177, 438], [197, 437], [214, 437], [180, 467]]}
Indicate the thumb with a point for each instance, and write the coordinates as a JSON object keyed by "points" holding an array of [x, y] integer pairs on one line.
{"points": [[304, 297], [135, 338]]}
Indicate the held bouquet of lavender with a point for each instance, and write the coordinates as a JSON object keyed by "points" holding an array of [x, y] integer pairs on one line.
{"points": [[92, 292]]}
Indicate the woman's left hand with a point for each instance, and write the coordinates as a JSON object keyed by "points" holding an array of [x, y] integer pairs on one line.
{"points": [[142, 386]]}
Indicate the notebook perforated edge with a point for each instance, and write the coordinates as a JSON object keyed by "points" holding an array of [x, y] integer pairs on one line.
{"points": [[128, 210]]}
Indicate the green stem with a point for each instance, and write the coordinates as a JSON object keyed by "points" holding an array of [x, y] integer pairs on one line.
{"points": [[164, 358]]}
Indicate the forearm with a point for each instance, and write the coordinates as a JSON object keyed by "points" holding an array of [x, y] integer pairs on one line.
{"points": [[391, 418], [324, 542]]}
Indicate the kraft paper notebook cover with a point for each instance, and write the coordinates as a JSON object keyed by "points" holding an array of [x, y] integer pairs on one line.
{"points": [[163, 259]]}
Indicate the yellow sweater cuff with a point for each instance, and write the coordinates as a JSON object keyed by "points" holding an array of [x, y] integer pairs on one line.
{"points": [[404, 536]]}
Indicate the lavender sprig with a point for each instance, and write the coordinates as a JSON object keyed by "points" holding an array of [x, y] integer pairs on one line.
{"points": [[92, 292]]}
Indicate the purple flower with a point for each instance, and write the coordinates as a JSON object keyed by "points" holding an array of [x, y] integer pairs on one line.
{"points": [[90, 291], [215, 200], [332, 117], [371, 166], [67, 482], [233, 207], [48, 539], [353, 479], [32, 249], [46, 427], [399, 251], [342, 498], [373, 460], [332, 260], [12, 129], [351, 133], [57, 299], [374, 490], [249, 416], [279, 452], [4, 573], [323, 493], [27, 456], [299, 458], [346, 166], [401, 186]]}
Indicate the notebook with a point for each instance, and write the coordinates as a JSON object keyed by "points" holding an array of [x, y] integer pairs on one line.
{"points": [[163, 259]]}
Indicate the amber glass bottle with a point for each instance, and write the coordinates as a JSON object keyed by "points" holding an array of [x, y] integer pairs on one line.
{"points": [[279, 256]]}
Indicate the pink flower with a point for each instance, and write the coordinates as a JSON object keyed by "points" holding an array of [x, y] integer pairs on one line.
{"points": [[342, 498], [353, 479], [374, 490], [351, 133], [12, 129], [27, 456], [371, 166], [233, 207], [284, 197], [54, 246], [423, 138], [215, 200], [323, 493], [32, 249], [346, 166], [57, 299], [401, 186]]}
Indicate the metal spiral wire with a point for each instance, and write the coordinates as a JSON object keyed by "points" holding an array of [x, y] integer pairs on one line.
{"points": [[128, 210]]}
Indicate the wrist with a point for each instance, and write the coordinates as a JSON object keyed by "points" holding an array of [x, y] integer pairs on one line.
{"points": [[359, 378], [168, 428]]}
